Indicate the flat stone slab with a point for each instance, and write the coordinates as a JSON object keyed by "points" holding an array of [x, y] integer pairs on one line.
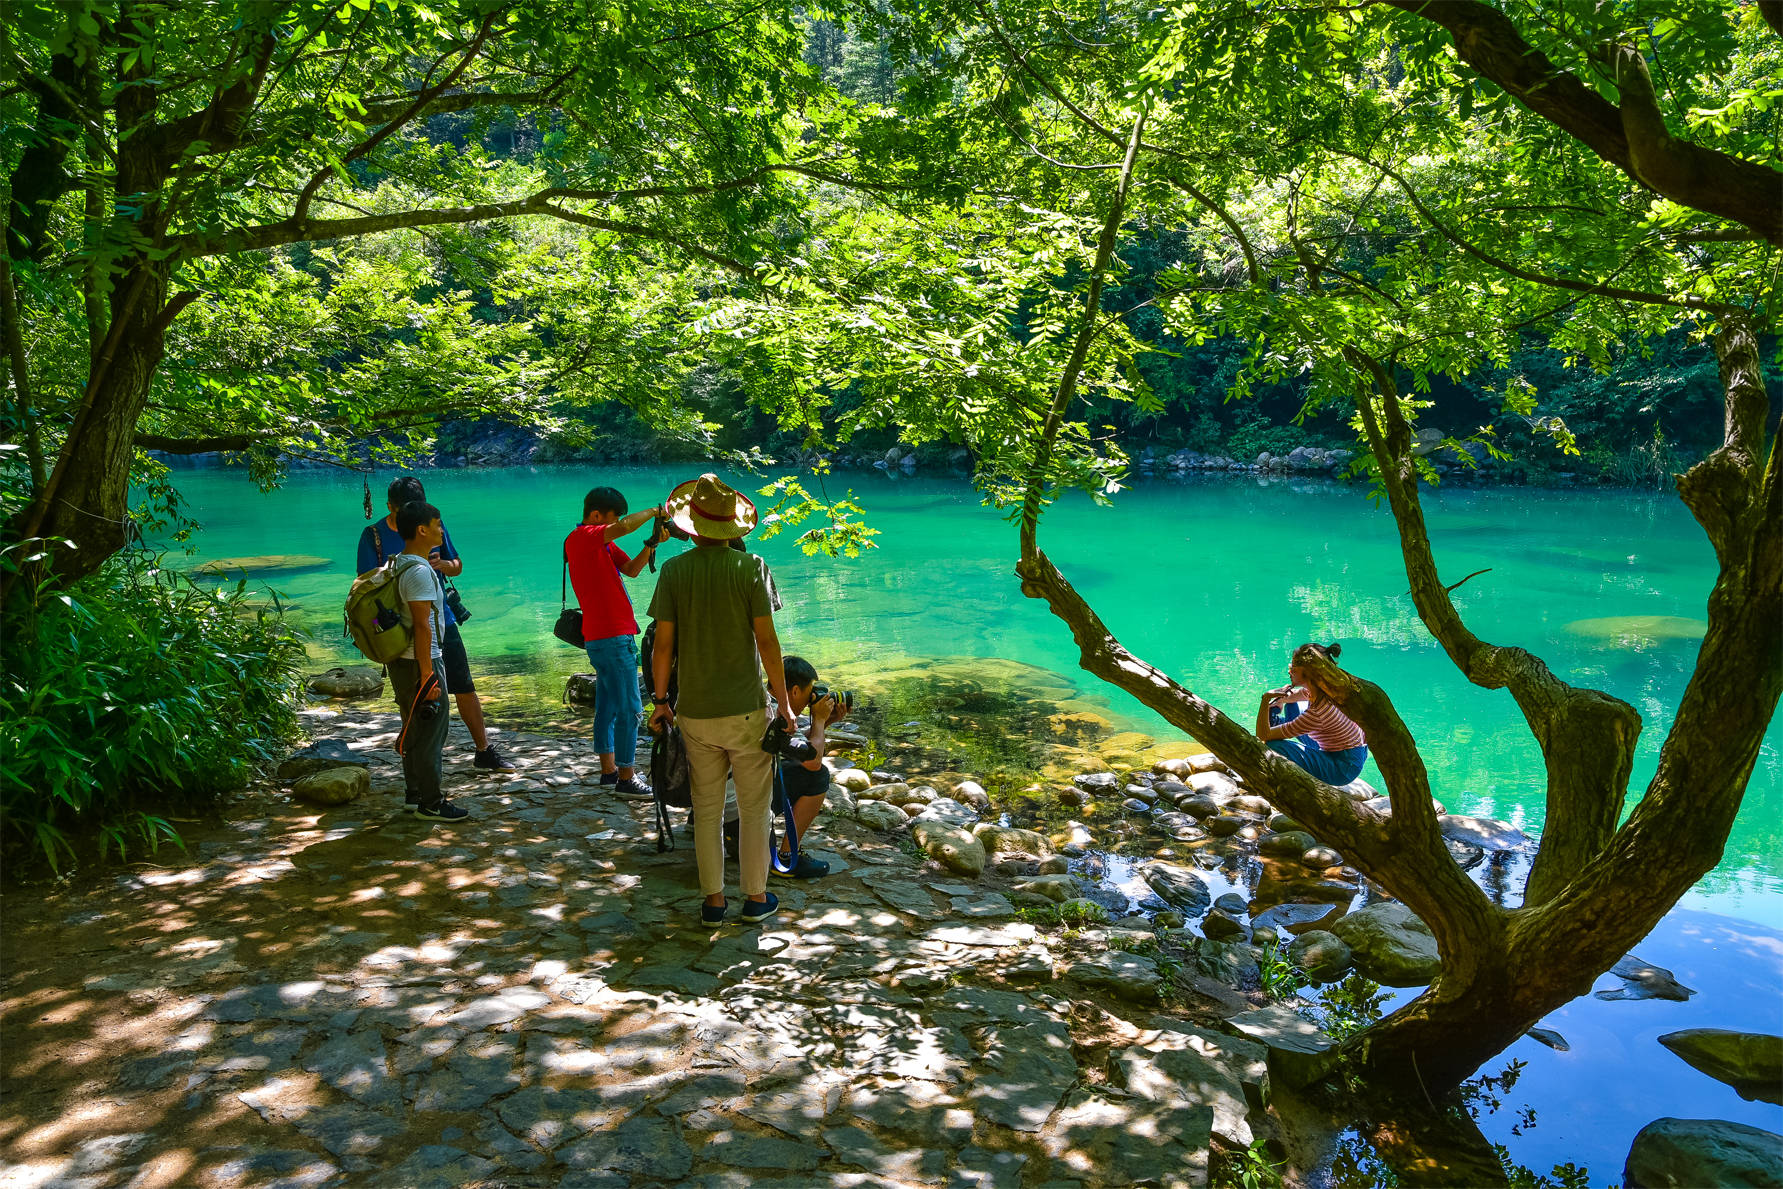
{"points": [[1131, 976], [1128, 1141], [1299, 1052]]}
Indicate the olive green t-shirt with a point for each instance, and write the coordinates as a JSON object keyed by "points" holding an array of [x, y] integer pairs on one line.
{"points": [[713, 595]]}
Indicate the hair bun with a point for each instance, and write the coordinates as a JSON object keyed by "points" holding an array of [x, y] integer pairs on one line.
{"points": [[1334, 650]]}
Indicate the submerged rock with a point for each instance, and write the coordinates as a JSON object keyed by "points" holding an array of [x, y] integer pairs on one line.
{"points": [[1178, 886], [1643, 980], [1290, 845], [1693, 1153], [580, 689], [1483, 832], [1390, 944], [1750, 1062]]}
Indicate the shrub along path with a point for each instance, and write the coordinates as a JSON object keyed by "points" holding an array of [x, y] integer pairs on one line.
{"points": [[352, 996]]}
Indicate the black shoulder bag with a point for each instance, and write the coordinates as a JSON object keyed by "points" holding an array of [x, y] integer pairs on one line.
{"points": [[569, 619]]}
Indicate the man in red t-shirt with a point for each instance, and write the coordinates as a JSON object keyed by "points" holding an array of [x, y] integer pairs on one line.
{"points": [[609, 629]]}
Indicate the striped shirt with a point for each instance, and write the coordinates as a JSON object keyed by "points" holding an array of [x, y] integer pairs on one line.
{"points": [[1328, 727]]}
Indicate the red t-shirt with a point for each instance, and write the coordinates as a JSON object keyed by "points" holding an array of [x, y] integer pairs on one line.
{"points": [[594, 572]]}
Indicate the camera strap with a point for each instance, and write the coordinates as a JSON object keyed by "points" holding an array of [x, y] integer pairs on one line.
{"points": [[782, 803], [408, 719]]}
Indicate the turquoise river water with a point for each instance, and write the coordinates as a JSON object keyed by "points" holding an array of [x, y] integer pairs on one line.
{"points": [[1214, 580]]}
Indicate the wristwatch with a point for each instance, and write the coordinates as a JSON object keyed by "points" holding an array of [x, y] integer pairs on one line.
{"points": [[659, 699]]}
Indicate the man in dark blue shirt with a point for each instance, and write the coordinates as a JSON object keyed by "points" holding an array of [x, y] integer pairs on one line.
{"points": [[379, 543]]}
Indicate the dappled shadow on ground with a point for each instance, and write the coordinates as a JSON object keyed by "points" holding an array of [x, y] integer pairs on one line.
{"points": [[353, 996]]}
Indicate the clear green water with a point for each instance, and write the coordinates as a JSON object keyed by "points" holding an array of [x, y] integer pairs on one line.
{"points": [[1215, 580]]}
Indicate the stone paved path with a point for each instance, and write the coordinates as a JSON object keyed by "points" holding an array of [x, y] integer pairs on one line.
{"points": [[351, 996]]}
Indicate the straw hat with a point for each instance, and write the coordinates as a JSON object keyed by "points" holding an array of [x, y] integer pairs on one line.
{"points": [[707, 508]]}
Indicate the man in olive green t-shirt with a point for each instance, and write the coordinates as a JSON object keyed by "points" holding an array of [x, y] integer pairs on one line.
{"points": [[715, 621]]}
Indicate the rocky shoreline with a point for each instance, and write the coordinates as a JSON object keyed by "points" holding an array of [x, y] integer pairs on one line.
{"points": [[338, 993], [501, 445]]}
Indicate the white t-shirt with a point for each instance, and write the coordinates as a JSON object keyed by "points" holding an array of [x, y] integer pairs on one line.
{"points": [[417, 583]]}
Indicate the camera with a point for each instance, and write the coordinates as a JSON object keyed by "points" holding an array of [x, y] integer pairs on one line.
{"points": [[455, 601], [779, 741], [844, 697]]}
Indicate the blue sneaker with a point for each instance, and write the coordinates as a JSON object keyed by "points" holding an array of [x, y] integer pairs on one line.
{"points": [[753, 911], [713, 914]]}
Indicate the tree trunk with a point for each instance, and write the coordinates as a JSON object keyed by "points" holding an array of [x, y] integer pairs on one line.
{"points": [[88, 492]]}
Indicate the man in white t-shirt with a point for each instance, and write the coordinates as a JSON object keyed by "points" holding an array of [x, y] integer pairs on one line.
{"points": [[417, 675]]}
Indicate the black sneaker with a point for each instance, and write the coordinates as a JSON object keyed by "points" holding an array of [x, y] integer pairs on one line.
{"points": [[631, 788], [806, 868], [441, 811], [609, 779], [492, 760]]}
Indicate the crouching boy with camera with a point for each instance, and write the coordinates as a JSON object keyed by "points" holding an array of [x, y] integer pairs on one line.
{"points": [[802, 771]]}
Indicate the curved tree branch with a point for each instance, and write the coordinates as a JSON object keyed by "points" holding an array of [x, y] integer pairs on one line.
{"points": [[1632, 137], [1587, 737]]}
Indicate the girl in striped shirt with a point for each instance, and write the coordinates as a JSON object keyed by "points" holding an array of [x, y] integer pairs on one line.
{"points": [[1319, 738]]}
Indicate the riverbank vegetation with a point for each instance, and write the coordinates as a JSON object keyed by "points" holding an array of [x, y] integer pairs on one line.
{"points": [[133, 696]]}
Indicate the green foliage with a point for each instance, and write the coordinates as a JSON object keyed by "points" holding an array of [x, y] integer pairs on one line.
{"points": [[1246, 1168], [1280, 977], [841, 535], [1350, 1006], [132, 694], [1082, 912]]}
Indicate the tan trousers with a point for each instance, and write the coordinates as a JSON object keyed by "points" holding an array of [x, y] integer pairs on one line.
{"points": [[717, 747]]}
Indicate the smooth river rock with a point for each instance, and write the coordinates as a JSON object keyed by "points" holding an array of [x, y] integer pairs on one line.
{"points": [[1750, 1062], [1483, 832], [1179, 887], [1390, 944], [881, 815], [333, 786], [1289, 845], [1703, 1154], [1323, 956], [350, 681], [950, 845], [1003, 840]]}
